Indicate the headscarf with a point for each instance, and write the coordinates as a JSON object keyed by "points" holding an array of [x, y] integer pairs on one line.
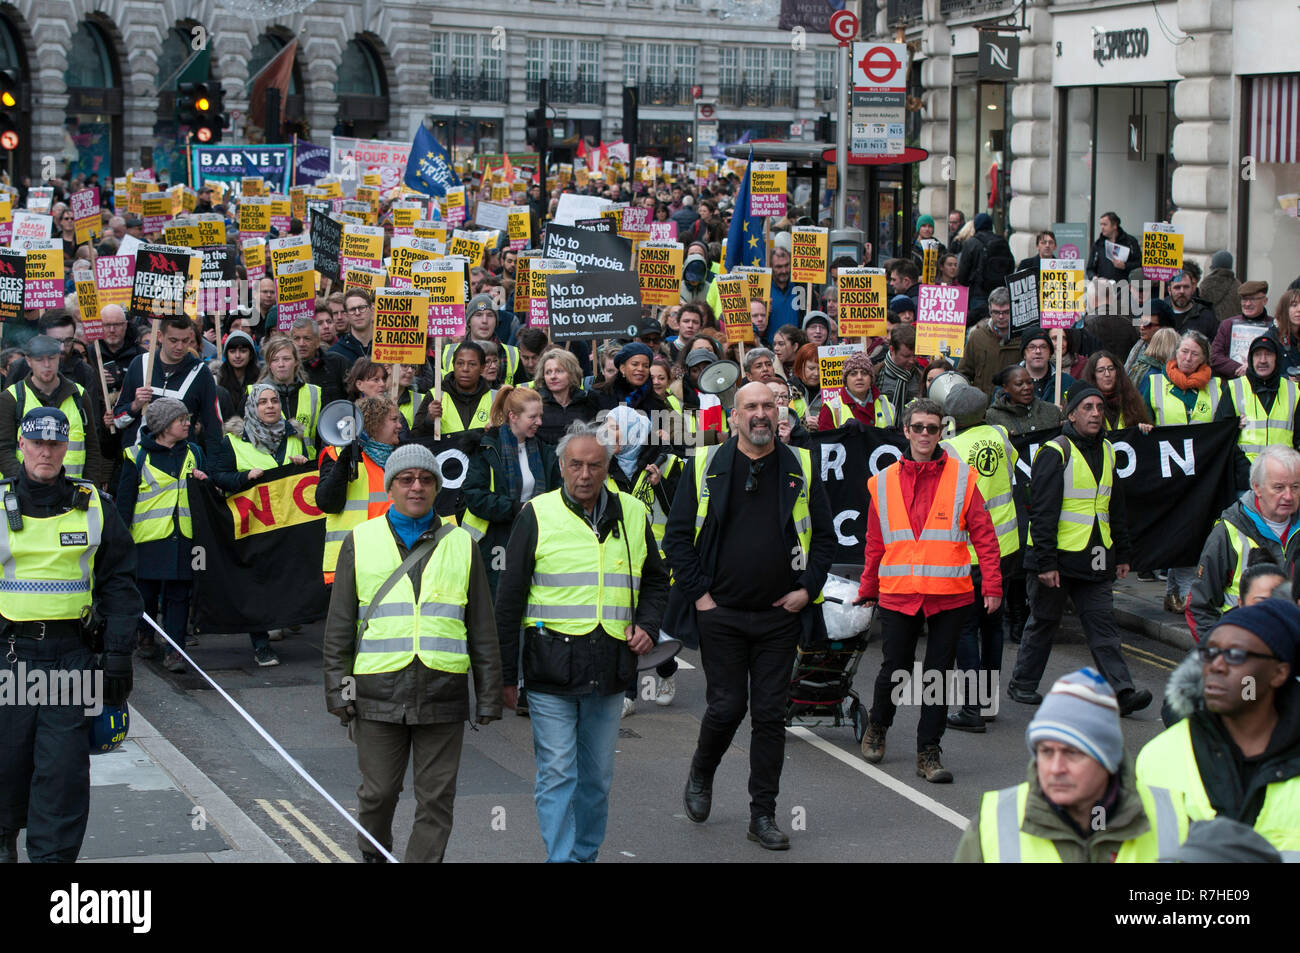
{"points": [[263, 436], [634, 431]]}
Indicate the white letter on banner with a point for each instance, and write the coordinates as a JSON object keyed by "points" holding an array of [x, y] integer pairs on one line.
{"points": [[1127, 469], [874, 464], [840, 520], [833, 459], [1186, 462]]}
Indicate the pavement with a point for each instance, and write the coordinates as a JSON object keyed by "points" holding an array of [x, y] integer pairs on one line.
{"points": [[208, 789]]}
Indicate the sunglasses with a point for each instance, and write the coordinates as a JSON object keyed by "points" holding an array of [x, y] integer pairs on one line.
{"points": [[930, 429], [408, 479], [755, 468], [1234, 656]]}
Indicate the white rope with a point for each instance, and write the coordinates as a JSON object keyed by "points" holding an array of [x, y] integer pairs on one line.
{"points": [[302, 772]]}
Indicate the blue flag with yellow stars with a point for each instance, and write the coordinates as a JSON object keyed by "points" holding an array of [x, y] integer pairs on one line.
{"points": [[428, 169], [745, 239]]}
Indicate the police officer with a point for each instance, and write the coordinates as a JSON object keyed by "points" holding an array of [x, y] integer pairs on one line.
{"points": [[1078, 542], [987, 449], [65, 558]]}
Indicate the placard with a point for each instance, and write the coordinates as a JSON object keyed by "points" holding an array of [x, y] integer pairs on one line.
{"points": [[161, 283], [254, 217], [1023, 287], [217, 280], [443, 281], [830, 367], [114, 278], [589, 251], [663, 231], [659, 272], [362, 245], [469, 246], [44, 274], [523, 286], [863, 297], [767, 189], [492, 215], [941, 320], [31, 226], [733, 308], [88, 305], [519, 227], [254, 250], [363, 276], [252, 185], [40, 198], [538, 271], [634, 222], [406, 251], [281, 212], [929, 261], [1162, 251], [13, 271], [808, 248], [454, 204], [600, 305], [1062, 289], [326, 244], [295, 293], [431, 229], [85, 209], [760, 282], [401, 319], [405, 214]]}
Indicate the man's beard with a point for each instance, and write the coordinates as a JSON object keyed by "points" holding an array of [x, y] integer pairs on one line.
{"points": [[760, 437]]}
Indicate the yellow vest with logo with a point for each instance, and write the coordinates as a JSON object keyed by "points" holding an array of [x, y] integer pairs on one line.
{"points": [[248, 457], [1239, 546], [987, 449], [1003, 842], [74, 463], [1262, 428], [578, 581], [509, 352], [842, 414], [308, 410], [47, 567], [451, 422], [1084, 499], [160, 497], [801, 514], [399, 630], [1169, 760], [1170, 410]]}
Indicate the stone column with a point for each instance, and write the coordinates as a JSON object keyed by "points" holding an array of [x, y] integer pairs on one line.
{"points": [[1033, 137]]}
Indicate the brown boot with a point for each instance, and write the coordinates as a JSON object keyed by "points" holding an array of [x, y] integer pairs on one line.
{"points": [[873, 744], [928, 766]]}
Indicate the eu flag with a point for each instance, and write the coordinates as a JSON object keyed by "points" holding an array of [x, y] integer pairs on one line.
{"points": [[745, 244], [428, 169]]}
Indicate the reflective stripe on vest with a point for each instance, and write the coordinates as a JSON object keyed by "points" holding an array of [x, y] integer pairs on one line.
{"points": [[1002, 813], [511, 355], [451, 422], [937, 563], [366, 499], [1263, 429], [1083, 499], [248, 457], [987, 450], [74, 462], [579, 582], [47, 567], [882, 409], [1170, 410], [160, 497], [398, 632], [179, 392], [308, 416], [1168, 760], [1240, 545]]}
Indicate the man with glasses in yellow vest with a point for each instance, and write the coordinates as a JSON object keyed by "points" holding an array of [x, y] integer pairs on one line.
{"points": [[409, 617], [750, 542], [1081, 803], [585, 585], [1078, 543], [1238, 754]]}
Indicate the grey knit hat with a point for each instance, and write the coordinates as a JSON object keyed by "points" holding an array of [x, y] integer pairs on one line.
{"points": [[1221, 259], [411, 456], [1082, 712], [160, 412]]}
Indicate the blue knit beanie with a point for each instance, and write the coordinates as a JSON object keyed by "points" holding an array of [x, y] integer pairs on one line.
{"points": [[1080, 711]]}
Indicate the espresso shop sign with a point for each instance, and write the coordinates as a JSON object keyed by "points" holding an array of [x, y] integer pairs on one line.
{"points": [[1120, 45]]}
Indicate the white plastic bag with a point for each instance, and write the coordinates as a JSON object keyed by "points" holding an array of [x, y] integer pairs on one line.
{"points": [[843, 619]]}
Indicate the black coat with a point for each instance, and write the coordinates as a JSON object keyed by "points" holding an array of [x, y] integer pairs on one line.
{"points": [[169, 558], [1099, 266], [556, 419], [694, 564]]}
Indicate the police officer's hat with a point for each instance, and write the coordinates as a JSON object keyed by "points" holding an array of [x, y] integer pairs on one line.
{"points": [[45, 423]]}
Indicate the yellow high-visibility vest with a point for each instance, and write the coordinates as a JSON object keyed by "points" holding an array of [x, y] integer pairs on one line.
{"points": [[47, 567], [1170, 410], [1084, 499], [1261, 429], [841, 413], [987, 449], [160, 497]]}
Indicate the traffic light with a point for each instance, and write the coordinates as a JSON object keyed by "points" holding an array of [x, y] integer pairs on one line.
{"points": [[9, 134], [630, 99], [536, 125], [214, 119], [187, 102], [825, 128]]}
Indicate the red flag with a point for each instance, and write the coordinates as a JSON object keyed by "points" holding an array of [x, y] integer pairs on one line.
{"points": [[274, 75]]}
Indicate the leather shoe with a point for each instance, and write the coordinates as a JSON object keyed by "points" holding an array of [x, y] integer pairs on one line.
{"points": [[767, 834], [963, 719], [8, 847], [1024, 696], [698, 797], [1131, 700]]}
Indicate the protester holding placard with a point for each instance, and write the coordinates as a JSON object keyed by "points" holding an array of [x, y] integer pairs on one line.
{"points": [[1232, 342], [175, 373], [858, 399]]}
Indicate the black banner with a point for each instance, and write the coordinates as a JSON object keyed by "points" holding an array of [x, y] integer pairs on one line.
{"points": [[602, 305], [261, 552], [1023, 287], [1176, 481], [589, 251], [604, 225], [453, 453], [13, 283], [326, 239]]}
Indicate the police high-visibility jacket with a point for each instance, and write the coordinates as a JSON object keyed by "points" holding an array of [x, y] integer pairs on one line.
{"points": [[508, 351], [578, 581], [47, 567], [988, 451], [451, 420], [1169, 410], [161, 497], [74, 463], [801, 514], [1003, 842], [1262, 429], [1169, 760], [939, 562], [399, 629], [1085, 499], [308, 410], [247, 456], [842, 413], [366, 500]]}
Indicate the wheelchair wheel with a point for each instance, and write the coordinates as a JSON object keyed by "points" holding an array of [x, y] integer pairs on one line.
{"points": [[859, 720]]}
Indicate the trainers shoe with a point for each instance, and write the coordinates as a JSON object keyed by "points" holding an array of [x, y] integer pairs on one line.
{"points": [[928, 766], [873, 744], [963, 719], [275, 635], [666, 691], [265, 656], [629, 707], [173, 662]]}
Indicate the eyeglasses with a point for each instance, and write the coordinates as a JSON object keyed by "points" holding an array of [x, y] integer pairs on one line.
{"points": [[1148, 325], [999, 312], [755, 468], [1208, 653], [407, 480], [782, 398], [361, 310], [1106, 370], [930, 429]]}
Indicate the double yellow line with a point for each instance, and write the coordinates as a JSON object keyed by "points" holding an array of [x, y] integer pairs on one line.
{"points": [[286, 821], [1142, 655]]}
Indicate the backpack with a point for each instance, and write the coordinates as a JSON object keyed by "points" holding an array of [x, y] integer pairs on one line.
{"points": [[997, 262]]}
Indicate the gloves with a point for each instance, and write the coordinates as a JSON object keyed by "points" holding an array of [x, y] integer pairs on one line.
{"points": [[345, 714], [117, 677]]}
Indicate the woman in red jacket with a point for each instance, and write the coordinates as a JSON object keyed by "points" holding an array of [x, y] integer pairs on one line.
{"points": [[858, 399]]}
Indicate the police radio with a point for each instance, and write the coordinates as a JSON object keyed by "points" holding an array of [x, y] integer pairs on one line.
{"points": [[12, 513]]}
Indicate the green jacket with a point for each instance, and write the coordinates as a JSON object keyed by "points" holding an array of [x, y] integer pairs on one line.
{"points": [[1127, 821]]}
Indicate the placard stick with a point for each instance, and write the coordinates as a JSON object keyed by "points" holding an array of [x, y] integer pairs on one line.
{"points": [[740, 349], [437, 387], [1060, 339], [153, 346], [103, 382], [216, 323]]}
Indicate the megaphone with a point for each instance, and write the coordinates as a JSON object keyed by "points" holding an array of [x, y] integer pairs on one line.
{"points": [[717, 377], [945, 384], [340, 423], [665, 648]]}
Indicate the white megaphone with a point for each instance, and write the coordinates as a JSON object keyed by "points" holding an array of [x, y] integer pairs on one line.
{"points": [[945, 384], [717, 377], [340, 423], [665, 648]]}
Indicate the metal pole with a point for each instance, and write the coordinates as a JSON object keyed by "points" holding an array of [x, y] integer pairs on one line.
{"points": [[842, 138]]}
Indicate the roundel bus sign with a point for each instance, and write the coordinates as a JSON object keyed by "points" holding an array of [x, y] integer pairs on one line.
{"points": [[879, 66]]}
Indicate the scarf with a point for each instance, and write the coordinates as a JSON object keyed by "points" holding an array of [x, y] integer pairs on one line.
{"points": [[266, 437], [409, 530], [375, 450], [510, 460], [634, 431], [1193, 381], [285, 391]]}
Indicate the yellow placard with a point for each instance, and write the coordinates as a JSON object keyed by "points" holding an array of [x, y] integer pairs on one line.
{"points": [[254, 257], [1062, 292], [88, 302], [253, 185], [332, 188], [471, 248], [760, 282], [298, 202], [185, 236], [255, 216], [401, 321], [371, 180], [362, 244], [863, 296], [405, 253], [431, 229], [733, 299], [519, 226], [285, 250], [1162, 251], [407, 214], [363, 276], [808, 249], [659, 272]]}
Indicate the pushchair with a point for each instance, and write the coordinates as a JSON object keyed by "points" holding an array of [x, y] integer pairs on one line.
{"points": [[822, 680]]}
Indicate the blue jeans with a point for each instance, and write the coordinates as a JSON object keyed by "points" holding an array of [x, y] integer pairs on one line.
{"points": [[574, 737]]}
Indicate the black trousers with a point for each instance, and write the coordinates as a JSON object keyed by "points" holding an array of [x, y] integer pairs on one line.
{"points": [[899, 633], [748, 658], [1096, 608]]}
